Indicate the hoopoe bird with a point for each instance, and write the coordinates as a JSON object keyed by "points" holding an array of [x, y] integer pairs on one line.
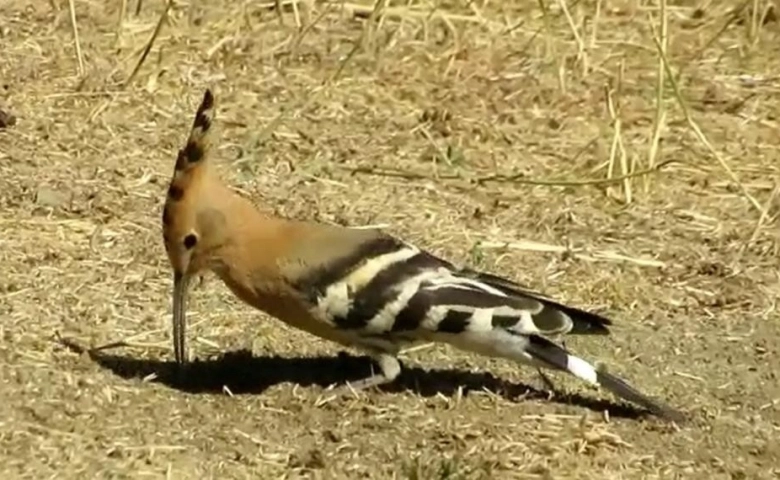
{"points": [[360, 288]]}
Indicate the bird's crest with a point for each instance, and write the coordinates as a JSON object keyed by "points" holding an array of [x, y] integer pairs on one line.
{"points": [[191, 163]]}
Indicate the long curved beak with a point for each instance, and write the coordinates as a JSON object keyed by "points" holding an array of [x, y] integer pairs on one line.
{"points": [[180, 284]]}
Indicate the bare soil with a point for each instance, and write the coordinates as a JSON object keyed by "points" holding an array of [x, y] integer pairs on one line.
{"points": [[481, 131]]}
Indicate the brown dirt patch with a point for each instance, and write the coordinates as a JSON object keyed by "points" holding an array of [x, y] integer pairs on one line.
{"points": [[458, 96]]}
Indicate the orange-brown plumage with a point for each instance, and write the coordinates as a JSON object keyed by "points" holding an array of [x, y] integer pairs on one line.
{"points": [[358, 287]]}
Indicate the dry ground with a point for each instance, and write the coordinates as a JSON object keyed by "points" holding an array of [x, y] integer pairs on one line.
{"points": [[445, 99]]}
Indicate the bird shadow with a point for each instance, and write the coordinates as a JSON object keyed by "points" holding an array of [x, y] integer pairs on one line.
{"points": [[242, 373]]}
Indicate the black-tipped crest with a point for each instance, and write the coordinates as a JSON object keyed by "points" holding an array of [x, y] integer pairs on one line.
{"points": [[197, 144]]}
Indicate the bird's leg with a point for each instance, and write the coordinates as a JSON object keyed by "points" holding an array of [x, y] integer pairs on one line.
{"points": [[551, 390], [389, 370]]}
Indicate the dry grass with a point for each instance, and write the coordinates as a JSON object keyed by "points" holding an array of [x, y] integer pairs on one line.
{"points": [[532, 141]]}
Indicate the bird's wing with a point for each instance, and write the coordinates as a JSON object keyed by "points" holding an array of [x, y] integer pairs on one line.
{"points": [[553, 316], [366, 280]]}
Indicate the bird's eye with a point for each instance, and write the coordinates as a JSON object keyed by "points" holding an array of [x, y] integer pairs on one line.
{"points": [[190, 241]]}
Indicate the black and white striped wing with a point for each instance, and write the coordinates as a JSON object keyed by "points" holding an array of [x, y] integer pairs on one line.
{"points": [[398, 288]]}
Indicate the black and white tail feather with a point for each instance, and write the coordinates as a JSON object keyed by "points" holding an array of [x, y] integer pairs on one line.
{"points": [[389, 293]]}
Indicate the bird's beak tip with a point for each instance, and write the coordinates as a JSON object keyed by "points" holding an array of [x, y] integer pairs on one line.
{"points": [[179, 317]]}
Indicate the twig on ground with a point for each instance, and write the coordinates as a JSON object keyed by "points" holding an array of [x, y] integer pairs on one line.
{"points": [[595, 29], [296, 14], [581, 55], [660, 108], [76, 40], [597, 256], [121, 20], [418, 348], [759, 223], [513, 178], [130, 342], [754, 28], [149, 44], [618, 149]]}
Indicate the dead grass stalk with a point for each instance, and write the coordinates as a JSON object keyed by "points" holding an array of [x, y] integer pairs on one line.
{"points": [[150, 43], [659, 119], [76, 40]]}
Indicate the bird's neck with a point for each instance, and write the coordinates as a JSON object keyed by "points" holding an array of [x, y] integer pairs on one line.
{"points": [[244, 256]]}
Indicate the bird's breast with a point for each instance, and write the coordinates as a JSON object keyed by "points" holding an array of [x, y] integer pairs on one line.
{"points": [[281, 302]]}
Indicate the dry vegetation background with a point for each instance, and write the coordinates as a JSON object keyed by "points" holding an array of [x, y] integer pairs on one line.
{"points": [[529, 139]]}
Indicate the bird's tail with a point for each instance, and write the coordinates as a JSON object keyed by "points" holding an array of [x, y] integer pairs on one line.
{"points": [[553, 356]]}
